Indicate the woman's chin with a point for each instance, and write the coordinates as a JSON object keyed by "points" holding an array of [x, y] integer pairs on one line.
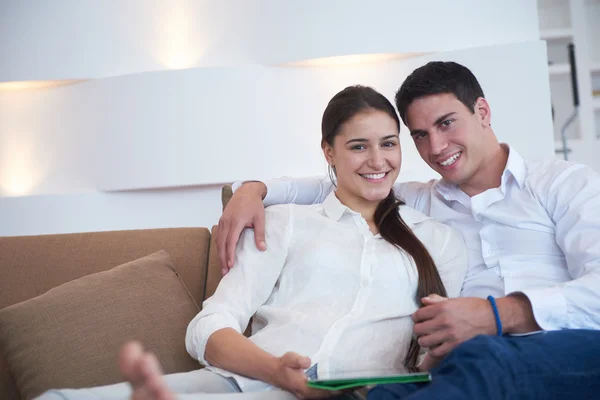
{"points": [[377, 195]]}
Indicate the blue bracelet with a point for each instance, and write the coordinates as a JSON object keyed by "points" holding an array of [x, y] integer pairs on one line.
{"points": [[496, 314]]}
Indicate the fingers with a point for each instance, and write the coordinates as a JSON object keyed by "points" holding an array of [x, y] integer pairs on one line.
{"points": [[444, 349], [433, 299], [433, 340], [245, 209], [426, 313], [295, 360], [259, 230], [221, 237], [154, 385], [428, 327], [233, 237], [129, 357], [150, 367], [227, 237]]}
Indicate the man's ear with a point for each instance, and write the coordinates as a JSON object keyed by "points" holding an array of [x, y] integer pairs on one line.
{"points": [[482, 109]]}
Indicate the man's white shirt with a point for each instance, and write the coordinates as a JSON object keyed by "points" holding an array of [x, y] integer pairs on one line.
{"points": [[326, 288], [538, 233]]}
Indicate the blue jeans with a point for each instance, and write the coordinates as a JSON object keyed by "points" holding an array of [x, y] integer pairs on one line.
{"points": [[552, 365]]}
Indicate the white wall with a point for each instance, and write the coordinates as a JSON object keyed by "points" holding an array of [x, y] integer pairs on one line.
{"points": [[75, 39], [160, 143], [515, 121]]}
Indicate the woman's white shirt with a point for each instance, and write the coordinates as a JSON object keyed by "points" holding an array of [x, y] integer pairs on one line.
{"points": [[326, 288]]}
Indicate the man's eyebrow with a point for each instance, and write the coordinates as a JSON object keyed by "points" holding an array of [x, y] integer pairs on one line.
{"points": [[417, 132], [437, 122], [443, 117]]}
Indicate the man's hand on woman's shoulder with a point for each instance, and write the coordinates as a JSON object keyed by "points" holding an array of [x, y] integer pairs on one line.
{"points": [[244, 210]]}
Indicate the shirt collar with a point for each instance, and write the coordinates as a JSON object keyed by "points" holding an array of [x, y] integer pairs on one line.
{"points": [[335, 209], [412, 217], [515, 166]]}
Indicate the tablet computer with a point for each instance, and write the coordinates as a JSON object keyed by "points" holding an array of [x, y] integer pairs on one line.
{"points": [[348, 380]]}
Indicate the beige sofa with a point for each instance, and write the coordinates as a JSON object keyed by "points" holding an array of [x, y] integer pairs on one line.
{"points": [[69, 301]]}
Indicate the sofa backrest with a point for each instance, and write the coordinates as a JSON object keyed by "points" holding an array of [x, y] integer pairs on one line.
{"points": [[31, 265]]}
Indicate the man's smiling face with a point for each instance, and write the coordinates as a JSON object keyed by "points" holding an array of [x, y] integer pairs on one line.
{"points": [[449, 136]]}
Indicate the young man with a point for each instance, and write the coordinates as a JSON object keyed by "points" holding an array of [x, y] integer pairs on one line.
{"points": [[533, 233]]}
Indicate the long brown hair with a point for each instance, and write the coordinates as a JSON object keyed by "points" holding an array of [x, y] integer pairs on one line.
{"points": [[393, 229], [342, 107]]}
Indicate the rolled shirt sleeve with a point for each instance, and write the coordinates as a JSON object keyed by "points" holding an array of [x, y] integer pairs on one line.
{"points": [[247, 286]]}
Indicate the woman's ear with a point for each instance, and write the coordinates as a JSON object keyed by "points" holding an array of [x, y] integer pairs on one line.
{"points": [[327, 152]]}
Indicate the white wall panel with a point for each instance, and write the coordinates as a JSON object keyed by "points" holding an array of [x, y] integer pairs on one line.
{"points": [[272, 136], [138, 124], [89, 212], [73, 39], [213, 125]]}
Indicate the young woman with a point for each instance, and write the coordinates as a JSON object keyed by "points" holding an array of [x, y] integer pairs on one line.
{"points": [[335, 289]]}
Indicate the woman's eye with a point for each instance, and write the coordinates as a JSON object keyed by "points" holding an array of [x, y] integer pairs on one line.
{"points": [[358, 147], [389, 144]]}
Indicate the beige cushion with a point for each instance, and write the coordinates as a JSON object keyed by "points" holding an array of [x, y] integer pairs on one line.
{"points": [[70, 335]]}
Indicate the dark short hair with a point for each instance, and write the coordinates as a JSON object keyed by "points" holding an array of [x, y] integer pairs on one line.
{"points": [[437, 77]]}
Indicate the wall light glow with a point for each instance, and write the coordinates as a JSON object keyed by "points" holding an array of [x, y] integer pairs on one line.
{"points": [[31, 85], [19, 172], [350, 59], [179, 45]]}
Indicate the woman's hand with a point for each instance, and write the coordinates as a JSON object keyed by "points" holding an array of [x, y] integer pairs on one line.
{"points": [[290, 376]]}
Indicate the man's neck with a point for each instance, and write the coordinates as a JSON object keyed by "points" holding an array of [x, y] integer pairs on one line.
{"points": [[489, 175]]}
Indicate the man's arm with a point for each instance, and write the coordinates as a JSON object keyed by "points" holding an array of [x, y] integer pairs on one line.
{"points": [[297, 191], [246, 210], [443, 325], [246, 207], [572, 199]]}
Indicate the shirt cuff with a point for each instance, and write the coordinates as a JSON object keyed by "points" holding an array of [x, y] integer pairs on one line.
{"points": [[549, 307], [202, 331], [276, 193], [236, 186]]}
